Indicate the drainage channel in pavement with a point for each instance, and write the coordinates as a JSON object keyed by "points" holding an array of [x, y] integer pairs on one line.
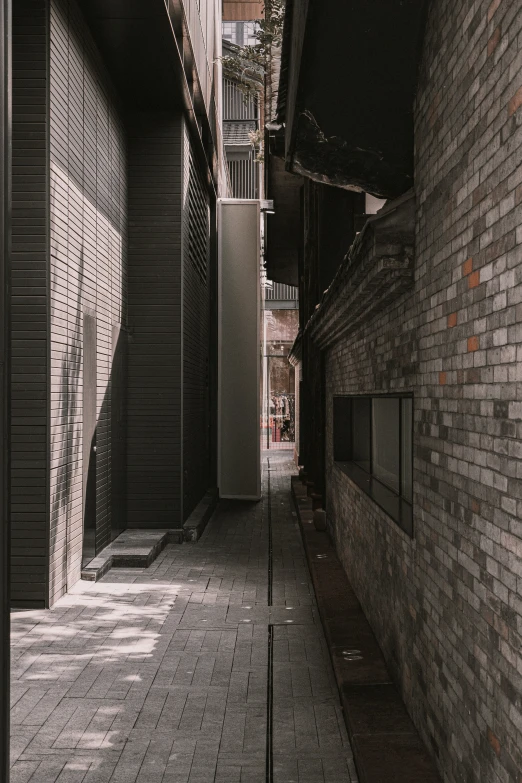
{"points": [[210, 666]]}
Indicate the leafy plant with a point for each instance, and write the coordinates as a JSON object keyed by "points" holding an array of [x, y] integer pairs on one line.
{"points": [[256, 140], [248, 64]]}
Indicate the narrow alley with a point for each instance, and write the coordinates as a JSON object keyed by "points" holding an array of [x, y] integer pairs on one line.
{"points": [[210, 665]]}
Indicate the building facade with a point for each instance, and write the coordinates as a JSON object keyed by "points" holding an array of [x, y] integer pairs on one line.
{"points": [[410, 346], [241, 125], [116, 172]]}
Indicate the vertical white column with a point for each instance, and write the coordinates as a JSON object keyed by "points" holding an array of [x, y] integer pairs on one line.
{"points": [[239, 350]]}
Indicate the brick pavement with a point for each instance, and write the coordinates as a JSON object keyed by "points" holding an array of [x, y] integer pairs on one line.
{"points": [[159, 675]]}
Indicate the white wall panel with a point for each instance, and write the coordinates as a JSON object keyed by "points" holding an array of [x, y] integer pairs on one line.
{"points": [[239, 456]]}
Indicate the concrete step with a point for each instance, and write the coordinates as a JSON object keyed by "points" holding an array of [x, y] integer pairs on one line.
{"points": [[133, 548]]}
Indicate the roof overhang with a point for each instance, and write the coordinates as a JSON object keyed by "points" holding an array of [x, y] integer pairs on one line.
{"points": [[348, 80], [377, 270]]}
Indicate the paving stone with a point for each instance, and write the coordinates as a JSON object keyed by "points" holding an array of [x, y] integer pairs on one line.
{"points": [[22, 771], [159, 674]]}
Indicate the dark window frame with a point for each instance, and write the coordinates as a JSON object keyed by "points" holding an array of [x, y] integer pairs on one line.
{"points": [[394, 504]]}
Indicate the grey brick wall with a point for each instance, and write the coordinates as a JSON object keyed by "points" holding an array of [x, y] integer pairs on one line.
{"points": [[447, 605]]}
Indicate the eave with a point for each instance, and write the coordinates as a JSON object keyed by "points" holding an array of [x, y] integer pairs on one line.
{"points": [[348, 81], [296, 354]]}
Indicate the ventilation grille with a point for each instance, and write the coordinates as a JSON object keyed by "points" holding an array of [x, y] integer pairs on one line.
{"points": [[280, 291], [199, 228], [237, 105], [244, 177]]}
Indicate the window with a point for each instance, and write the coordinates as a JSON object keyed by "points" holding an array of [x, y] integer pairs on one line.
{"points": [[373, 445], [240, 33]]}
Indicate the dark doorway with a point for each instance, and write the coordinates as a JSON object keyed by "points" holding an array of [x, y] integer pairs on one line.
{"points": [[89, 437], [118, 430]]}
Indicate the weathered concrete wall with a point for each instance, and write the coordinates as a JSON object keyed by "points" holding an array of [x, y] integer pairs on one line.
{"points": [[447, 604]]}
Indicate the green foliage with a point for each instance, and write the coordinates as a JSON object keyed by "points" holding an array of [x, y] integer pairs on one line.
{"points": [[270, 29], [256, 140], [248, 65]]}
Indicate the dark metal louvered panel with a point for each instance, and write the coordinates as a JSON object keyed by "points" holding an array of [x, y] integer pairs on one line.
{"points": [[29, 306], [196, 335], [198, 216], [154, 357]]}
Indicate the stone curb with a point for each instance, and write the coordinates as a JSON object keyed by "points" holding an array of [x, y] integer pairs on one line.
{"points": [[386, 745], [197, 521]]}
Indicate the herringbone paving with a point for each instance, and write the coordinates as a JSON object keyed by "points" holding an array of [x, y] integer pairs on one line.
{"points": [[163, 675]]}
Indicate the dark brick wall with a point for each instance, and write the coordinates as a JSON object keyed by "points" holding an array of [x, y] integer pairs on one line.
{"points": [[447, 605]]}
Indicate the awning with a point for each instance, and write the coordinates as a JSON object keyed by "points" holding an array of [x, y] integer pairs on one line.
{"points": [[236, 133]]}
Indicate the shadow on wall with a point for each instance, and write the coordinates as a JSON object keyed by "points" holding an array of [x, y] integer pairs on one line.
{"points": [[73, 535], [66, 436], [87, 263]]}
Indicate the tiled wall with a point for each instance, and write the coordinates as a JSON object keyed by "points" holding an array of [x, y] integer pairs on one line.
{"points": [[29, 307], [88, 215]]}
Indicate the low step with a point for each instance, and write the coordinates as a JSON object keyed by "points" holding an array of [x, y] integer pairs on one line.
{"points": [[386, 745], [133, 548]]}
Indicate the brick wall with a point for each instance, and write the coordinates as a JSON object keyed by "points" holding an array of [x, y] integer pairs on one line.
{"points": [[447, 604]]}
